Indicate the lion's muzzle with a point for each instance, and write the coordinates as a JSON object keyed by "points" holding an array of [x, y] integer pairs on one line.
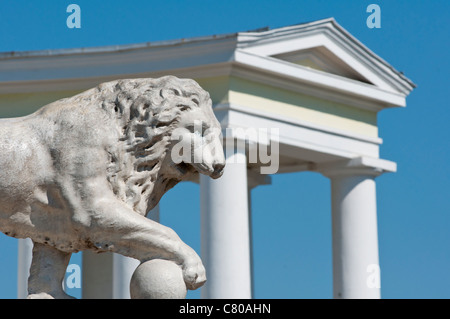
{"points": [[218, 170]]}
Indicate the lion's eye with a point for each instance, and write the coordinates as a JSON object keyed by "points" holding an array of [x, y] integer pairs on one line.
{"points": [[183, 107], [190, 128]]}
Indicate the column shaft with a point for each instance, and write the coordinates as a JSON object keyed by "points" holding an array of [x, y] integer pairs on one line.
{"points": [[225, 231], [24, 256], [355, 240]]}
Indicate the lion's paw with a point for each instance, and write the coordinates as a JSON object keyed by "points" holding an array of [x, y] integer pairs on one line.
{"points": [[194, 276], [194, 273]]}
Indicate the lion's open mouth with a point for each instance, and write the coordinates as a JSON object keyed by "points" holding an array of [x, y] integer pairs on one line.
{"points": [[183, 168], [214, 172], [203, 168]]}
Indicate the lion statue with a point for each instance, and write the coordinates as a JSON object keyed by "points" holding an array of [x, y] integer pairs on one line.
{"points": [[81, 173]]}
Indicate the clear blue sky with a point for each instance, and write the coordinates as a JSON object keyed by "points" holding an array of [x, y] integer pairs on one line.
{"points": [[291, 218]]}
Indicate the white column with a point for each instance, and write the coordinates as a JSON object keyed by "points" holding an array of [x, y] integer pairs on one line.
{"points": [[107, 275], [123, 269], [225, 233], [24, 255], [254, 179], [356, 272], [97, 275]]}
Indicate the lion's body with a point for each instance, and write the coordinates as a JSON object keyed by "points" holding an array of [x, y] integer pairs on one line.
{"points": [[38, 163], [81, 172]]}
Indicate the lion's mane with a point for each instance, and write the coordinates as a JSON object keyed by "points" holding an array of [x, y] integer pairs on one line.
{"points": [[144, 112]]}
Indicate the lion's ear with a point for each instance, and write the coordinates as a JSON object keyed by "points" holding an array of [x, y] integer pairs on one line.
{"points": [[169, 92]]}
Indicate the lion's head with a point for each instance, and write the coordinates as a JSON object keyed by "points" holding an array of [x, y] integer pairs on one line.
{"points": [[167, 132]]}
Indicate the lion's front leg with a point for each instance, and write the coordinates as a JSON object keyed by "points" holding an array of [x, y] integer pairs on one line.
{"points": [[119, 229]]}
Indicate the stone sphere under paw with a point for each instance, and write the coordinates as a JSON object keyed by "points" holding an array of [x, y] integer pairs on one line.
{"points": [[158, 279]]}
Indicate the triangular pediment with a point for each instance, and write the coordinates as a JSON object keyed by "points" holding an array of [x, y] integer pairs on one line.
{"points": [[322, 59], [326, 47]]}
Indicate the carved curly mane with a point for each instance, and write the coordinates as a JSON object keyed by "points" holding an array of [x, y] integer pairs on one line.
{"points": [[145, 112]]}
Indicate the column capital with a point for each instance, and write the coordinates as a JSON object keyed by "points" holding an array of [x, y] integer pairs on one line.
{"points": [[356, 166]]}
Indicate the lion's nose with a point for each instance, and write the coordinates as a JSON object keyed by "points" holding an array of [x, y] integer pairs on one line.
{"points": [[218, 169]]}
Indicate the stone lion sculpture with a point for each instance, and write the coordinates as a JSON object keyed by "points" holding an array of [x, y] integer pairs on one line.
{"points": [[81, 173]]}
